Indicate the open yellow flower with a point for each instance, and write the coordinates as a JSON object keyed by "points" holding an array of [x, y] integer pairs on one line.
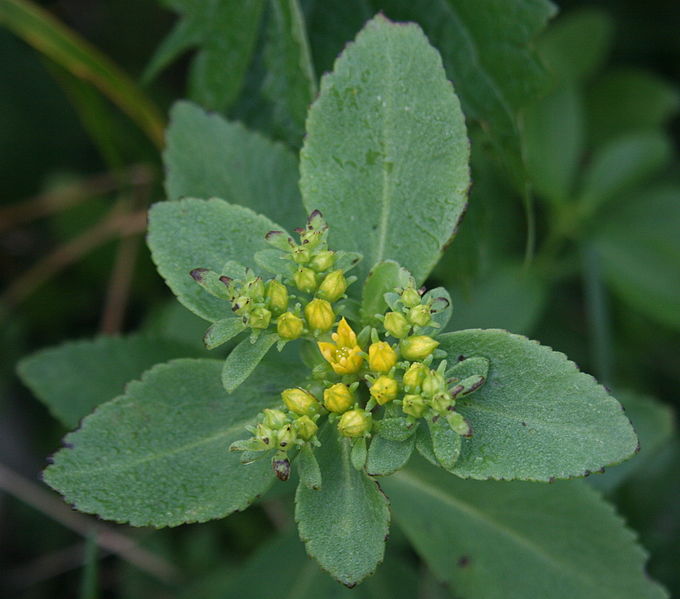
{"points": [[343, 355]]}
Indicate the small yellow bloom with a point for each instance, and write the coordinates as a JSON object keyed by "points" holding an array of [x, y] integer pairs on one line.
{"points": [[289, 326], [344, 355], [384, 389], [381, 357], [355, 423], [300, 401], [319, 315], [333, 286], [417, 347], [338, 398]]}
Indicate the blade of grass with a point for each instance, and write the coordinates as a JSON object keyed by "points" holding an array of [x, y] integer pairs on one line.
{"points": [[56, 41]]}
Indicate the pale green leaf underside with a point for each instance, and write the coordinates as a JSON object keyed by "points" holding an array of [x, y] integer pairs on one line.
{"points": [[386, 153], [513, 540], [209, 157], [536, 417], [194, 233], [159, 455], [74, 378], [244, 358], [345, 523]]}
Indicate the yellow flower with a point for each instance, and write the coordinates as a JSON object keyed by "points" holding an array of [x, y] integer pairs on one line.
{"points": [[384, 389], [319, 315], [344, 355], [381, 357]]}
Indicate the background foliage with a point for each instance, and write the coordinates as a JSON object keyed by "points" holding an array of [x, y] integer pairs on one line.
{"points": [[570, 236]]}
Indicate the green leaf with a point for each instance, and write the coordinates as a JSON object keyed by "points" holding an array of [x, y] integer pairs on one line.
{"points": [[553, 136], [446, 444], [222, 331], [225, 33], [442, 302], [577, 45], [159, 455], [536, 417], [290, 83], [383, 278], [74, 378], [395, 429], [387, 128], [344, 524], [639, 247], [508, 297], [244, 358], [622, 165], [487, 50], [386, 457], [516, 540], [625, 100], [308, 467], [192, 233], [209, 157], [653, 423]]}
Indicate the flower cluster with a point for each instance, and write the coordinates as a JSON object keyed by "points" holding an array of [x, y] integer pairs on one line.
{"points": [[389, 370]]}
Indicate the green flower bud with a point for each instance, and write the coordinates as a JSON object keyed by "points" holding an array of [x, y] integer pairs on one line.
{"points": [[433, 383], [276, 296], [286, 436], [322, 261], [289, 326], [417, 347], [255, 289], [415, 375], [420, 315], [274, 419], [300, 402], [413, 405], [384, 389], [265, 434], [395, 324], [319, 315], [441, 402], [338, 398], [410, 297], [305, 279], [355, 423], [458, 424], [301, 254], [305, 427], [259, 318], [242, 305], [333, 286], [381, 357]]}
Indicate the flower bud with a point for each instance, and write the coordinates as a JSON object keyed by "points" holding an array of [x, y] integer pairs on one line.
{"points": [[242, 305], [286, 436], [333, 286], [265, 434], [415, 375], [395, 324], [301, 254], [355, 423], [276, 296], [420, 315], [300, 402], [384, 389], [305, 427], [322, 261], [281, 466], [410, 297], [413, 405], [255, 288], [433, 383], [441, 402], [459, 424], [338, 398], [289, 326], [305, 279], [274, 419], [417, 347], [319, 315], [381, 357], [259, 318]]}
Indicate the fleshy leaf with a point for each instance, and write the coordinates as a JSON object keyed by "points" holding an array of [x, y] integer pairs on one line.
{"points": [[344, 524], [244, 358], [308, 467], [190, 234], [383, 278], [536, 417], [387, 128], [159, 454], [222, 331], [74, 378], [386, 457], [512, 540]]}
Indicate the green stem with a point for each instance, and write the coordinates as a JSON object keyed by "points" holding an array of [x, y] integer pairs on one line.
{"points": [[530, 246], [88, 581]]}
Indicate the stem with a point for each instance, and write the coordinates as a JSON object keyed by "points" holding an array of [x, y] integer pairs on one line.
{"points": [[88, 582], [599, 320], [530, 246]]}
